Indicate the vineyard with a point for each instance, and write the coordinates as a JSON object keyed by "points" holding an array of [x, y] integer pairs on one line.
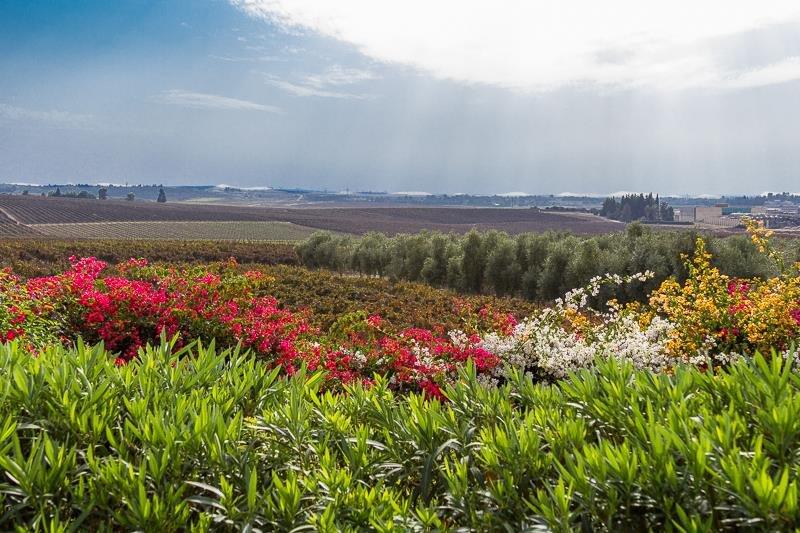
{"points": [[329, 295], [34, 211], [200, 230], [9, 228], [13, 230]]}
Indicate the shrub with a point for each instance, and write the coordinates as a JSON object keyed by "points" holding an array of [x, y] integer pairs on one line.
{"points": [[539, 267], [714, 313], [201, 439]]}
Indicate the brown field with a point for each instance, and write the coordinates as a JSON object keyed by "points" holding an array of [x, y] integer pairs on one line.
{"points": [[33, 211]]}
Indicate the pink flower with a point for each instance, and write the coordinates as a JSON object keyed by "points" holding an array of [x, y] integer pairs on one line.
{"points": [[738, 286]]}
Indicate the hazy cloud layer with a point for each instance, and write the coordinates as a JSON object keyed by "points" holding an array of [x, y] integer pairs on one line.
{"points": [[539, 45]]}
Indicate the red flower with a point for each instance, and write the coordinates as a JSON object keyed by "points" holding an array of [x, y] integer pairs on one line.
{"points": [[432, 390], [374, 321], [130, 309]]}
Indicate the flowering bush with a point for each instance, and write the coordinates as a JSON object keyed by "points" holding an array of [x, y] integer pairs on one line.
{"points": [[709, 316], [359, 346], [21, 316], [569, 335], [143, 302], [715, 315]]}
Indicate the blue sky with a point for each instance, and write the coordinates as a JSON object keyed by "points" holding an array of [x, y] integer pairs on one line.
{"points": [[451, 96]]}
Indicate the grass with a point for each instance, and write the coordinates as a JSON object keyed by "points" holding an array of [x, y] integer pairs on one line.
{"points": [[202, 440]]}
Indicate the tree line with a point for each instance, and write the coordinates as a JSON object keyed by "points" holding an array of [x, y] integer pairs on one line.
{"points": [[539, 267], [632, 207]]}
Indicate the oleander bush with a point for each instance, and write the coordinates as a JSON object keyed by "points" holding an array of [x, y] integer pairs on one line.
{"points": [[198, 439]]}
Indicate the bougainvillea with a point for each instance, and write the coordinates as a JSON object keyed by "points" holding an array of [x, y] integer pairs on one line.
{"points": [[708, 317], [142, 303]]}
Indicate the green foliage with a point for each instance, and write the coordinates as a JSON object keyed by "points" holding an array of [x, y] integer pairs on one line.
{"points": [[538, 267], [637, 207], [204, 439]]}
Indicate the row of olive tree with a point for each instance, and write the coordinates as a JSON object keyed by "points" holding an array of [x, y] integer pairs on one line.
{"points": [[538, 266]]}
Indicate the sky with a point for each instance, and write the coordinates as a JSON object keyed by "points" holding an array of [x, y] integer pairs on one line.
{"points": [[445, 96]]}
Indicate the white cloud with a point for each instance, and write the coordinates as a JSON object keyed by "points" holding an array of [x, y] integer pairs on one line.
{"points": [[780, 72], [211, 101], [297, 89], [338, 75], [51, 118], [541, 45], [246, 59], [320, 85]]}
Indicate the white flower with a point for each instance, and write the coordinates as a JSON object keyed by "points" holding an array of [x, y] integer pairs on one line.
{"points": [[360, 359]]}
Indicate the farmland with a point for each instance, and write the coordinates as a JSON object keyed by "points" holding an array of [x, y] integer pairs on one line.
{"points": [[34, 212], [13, 230], [200, 230]]}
